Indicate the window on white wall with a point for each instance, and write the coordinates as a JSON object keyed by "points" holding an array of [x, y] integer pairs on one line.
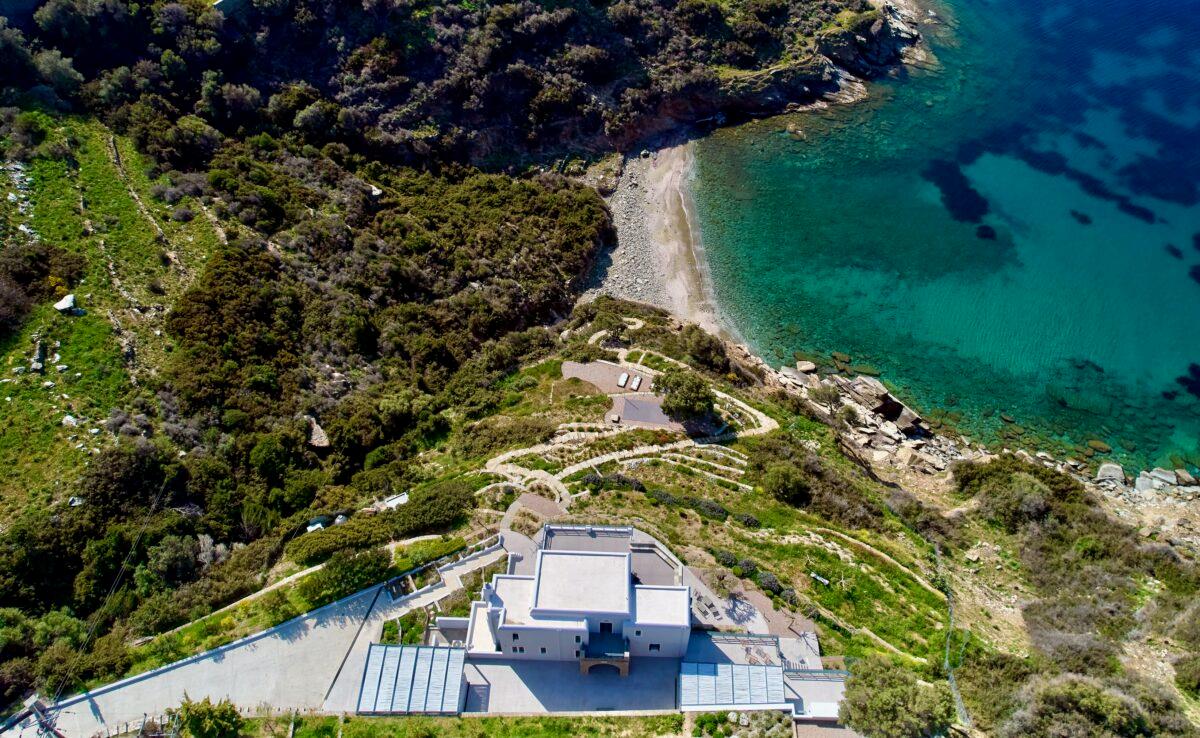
{"points": [[577, 639], [543, 649], [637, 632], [516, 636], [655, 647]]}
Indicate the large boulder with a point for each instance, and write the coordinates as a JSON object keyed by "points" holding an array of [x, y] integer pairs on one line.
{"points": [[65, 305], [1166, 476], [1112, 472], [871, 394]]}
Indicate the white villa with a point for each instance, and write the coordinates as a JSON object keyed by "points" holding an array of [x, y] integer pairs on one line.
{"points": [[592, 618], [579, 605]]}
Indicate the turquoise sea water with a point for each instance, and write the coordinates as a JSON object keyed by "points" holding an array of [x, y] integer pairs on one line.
{"points": [[1014, 231]]}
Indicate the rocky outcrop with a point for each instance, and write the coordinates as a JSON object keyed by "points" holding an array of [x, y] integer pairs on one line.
{"points": [[870, 45], [870, 41], [870, 393]]}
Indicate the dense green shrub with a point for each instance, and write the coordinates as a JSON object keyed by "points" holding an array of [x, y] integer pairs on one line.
{"points": [[208, 719], [1077, 705], [884, 700], [494, 434], [1015, 502], [1187, 674], [345, 573], [430, 509], [786, 468], [686, 395]]}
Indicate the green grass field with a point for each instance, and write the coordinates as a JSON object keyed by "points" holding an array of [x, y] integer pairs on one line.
{"points": [[85, 207]]}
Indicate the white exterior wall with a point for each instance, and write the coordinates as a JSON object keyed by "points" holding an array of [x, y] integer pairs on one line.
{"points": [[559, 643], [672, 639]]}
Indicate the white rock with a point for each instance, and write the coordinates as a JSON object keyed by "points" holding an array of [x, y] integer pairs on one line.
{"points": [[70, 421], [1144, 483], [1166, 476], [1185, 478], [61, 367], [47, 384], [66, 304], [806, 367], [94, 431], [1109, 470]]}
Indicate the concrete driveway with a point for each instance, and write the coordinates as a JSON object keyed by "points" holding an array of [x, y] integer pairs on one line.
{"points": [[314, 662], [287, 667]]}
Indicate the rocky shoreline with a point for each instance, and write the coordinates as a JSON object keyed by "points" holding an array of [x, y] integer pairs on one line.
{"points": [[658, 260], [895, 441]]}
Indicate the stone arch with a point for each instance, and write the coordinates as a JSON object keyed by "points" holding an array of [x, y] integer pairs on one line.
{"points": [[589, 666]]}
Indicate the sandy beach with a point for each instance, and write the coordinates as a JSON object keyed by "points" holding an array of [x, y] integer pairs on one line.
{"points": [[659, 257]]}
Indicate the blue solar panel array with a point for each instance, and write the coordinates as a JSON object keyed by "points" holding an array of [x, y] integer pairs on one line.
{"points": [[723, 685], [412, 679]]}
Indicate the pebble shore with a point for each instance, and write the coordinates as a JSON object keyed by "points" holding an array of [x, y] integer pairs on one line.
{"points": [[634, 269]]}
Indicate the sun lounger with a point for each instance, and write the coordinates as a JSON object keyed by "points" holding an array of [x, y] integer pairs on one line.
{"points": [[621, 380], [637, 382]]}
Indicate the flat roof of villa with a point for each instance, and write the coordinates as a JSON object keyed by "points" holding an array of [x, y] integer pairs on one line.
{"points": [[582, 581], [662, 605], [515, 594]]}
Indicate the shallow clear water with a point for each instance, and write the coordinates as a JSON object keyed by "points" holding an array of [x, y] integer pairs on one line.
{"points": [[1015, 232]]}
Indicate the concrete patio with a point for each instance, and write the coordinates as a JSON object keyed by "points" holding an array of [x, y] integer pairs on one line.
{"points": [[524, 687]]}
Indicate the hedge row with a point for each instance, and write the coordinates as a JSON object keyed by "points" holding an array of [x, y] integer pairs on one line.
{"points": [[435, 508]]}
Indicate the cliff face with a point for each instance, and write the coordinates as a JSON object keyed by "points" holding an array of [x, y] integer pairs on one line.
{"points": [[869, 42], [869, 45]]}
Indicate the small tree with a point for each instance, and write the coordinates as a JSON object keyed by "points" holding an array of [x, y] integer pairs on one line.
{"points": [[786, 483], [884, 700], [686, 395], [206, 719]]}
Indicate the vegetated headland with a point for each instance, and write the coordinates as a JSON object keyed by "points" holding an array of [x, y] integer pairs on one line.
{"points": [[282, 265]]}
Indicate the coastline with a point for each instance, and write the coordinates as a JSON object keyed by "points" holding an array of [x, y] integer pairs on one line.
{"points": [[659, 258]]}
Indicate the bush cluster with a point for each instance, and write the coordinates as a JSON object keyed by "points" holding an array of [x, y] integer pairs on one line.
{"points": [[596, 481], [787, 470], [1086, 569], [706, 507], [427, 510]]}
